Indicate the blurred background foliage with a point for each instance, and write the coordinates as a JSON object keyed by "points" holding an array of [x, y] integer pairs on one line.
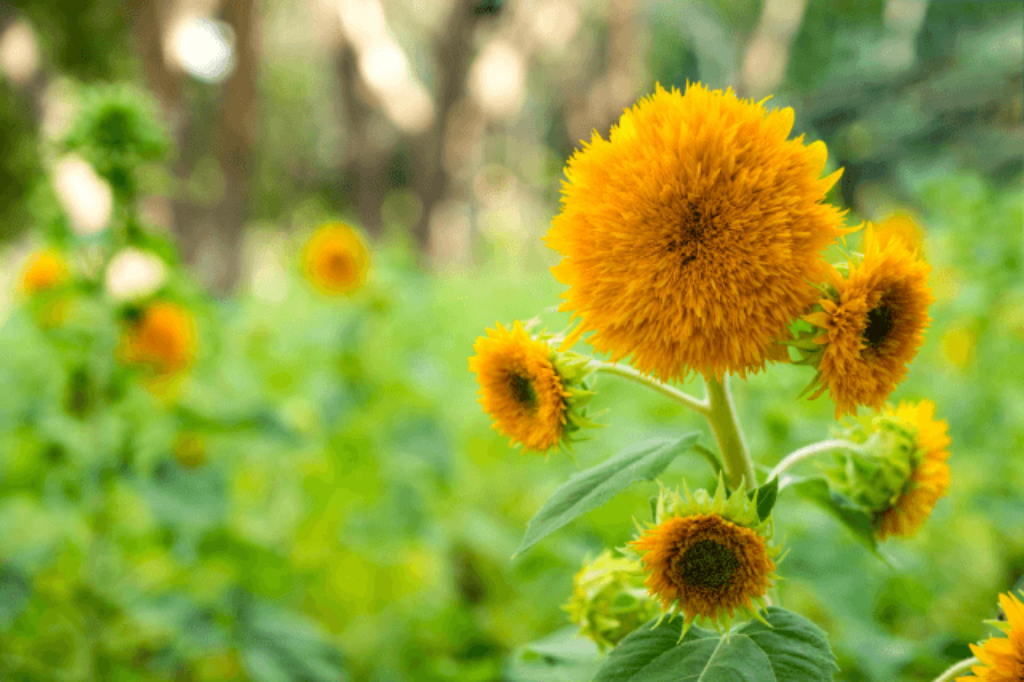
{"points": [[322, 498]]}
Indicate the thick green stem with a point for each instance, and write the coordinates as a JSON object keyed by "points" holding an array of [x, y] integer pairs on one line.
{"points": [[722, 417], [957, 669], [675, 394]]}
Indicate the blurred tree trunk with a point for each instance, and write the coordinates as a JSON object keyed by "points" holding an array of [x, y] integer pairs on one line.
{"points": [[236, 130], [366, 163], [209, 236], [454, 56]]}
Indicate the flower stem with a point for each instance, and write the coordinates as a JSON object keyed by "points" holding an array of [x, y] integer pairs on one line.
{"points": [[957, 669], [811, 450], [675, 394], [721, 414]]}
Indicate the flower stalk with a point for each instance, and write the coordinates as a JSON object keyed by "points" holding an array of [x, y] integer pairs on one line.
{"points": [[721, 415], [684, 399], [957, 669], [812, 450]]}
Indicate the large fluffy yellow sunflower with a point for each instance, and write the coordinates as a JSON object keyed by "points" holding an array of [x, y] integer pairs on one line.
{"points": [[929, 478], [532, 392], [873, 321], [708, 558], [1002, 658], [336, 260], [686, 237]]}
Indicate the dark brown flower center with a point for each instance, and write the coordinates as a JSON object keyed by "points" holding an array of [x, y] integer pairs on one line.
{"points": [[685, 244], [707, 564], [880, 324], [522, 390]]}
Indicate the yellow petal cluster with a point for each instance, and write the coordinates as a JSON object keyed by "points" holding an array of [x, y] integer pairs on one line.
{"points": [[1002, 658], [687, 237], [873, 324], [929, 479], [520, 387]]}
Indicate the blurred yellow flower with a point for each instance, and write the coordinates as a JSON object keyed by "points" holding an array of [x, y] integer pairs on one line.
{"points": [[958, 346], [44, 270], [336, 260], [929, 478], [1002, 658], [162, 339], [873, 323], [903, 227], [688, 236], [520, 388]]}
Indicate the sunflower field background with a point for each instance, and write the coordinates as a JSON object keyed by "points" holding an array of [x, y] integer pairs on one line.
{"points": [[294, 480]]}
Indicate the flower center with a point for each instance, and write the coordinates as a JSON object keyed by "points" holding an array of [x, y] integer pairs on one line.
{"points": [[522, 390], [879, 325], [707, 564], [339, 265], [687, 240]]}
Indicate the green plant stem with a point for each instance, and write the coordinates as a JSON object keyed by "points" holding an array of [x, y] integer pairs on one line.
{"points": [[809, 451], [721, 415], [957, 669], [684, 399]]}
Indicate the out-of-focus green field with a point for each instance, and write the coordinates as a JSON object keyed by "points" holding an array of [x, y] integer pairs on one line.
{"points": [[353, 511]]}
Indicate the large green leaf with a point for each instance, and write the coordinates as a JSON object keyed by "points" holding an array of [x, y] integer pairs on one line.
{"points": [[792, 650], [589, 489]]}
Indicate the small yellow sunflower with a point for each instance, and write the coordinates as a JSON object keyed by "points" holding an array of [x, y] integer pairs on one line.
{"points": [[929, 479], [336, 260], [901, 226], [161, 338], [1002, 658], [530, 391], [708, 558], [44, 270], [686, 237], [870, 324]]}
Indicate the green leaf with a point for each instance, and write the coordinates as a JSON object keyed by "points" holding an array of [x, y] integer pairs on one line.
{"points": [[590, 489], [562, 656], [765, 497], [793, 649], [853, 517]]}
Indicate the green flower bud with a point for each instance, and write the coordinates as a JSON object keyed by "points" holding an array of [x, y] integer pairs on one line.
{"points": [[609, 600]]}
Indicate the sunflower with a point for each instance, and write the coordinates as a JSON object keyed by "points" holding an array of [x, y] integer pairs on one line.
{"points": [[532, 392], [160, 337], [1002, 658], [686, 237], [870, 324], [898, 471], [929, 479], [708, 558], [901, 226], [43, 271], [336, 260]]}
